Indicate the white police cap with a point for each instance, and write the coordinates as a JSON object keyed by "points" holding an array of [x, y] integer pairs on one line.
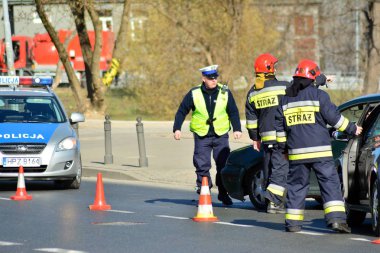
{"points": [[210, 71]]}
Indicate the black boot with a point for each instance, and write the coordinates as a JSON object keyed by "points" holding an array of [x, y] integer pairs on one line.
{"points": [[223, 196]]}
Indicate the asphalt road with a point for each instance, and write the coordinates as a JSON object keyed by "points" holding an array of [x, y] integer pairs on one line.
{"points": [[147, 218]]}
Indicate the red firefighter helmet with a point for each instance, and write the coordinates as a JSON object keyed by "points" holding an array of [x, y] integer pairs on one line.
{"points": [[265, 63], [308, 69]]}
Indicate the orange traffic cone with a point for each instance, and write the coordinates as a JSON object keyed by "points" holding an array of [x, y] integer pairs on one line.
{"points": [[21, 191], [377, 241], [100, 201], [205, 213]]}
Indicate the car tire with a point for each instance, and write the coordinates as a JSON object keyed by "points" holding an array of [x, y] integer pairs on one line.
{"points": [[375, 208], [255, 183], [355, 217], [73, 183]]}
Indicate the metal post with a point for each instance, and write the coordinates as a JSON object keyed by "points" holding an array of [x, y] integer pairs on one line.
{"points": [[143, 160], [8, 40], [108, 157]]}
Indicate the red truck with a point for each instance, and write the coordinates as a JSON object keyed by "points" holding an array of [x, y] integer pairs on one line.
{"points": [[38, 54]]}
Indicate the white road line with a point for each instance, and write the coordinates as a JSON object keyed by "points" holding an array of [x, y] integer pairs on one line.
{"points": [[4, 198], [310, 233], [119, 211], [233, 224], [57, 250], [173, 217], [2, 243], [360, 239]]}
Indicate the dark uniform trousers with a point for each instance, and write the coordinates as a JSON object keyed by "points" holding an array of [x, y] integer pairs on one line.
{"points": [[203, 146], [276, 168], [298, 186]]}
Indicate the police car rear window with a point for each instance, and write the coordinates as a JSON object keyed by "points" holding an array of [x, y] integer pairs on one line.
{"points": [[30, 110]]}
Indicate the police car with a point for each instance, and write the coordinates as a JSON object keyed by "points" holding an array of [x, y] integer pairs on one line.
{"points": [[36, 133]]}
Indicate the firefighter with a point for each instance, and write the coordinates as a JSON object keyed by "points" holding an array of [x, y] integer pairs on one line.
{"points": [[214, 110], [261, 106], [303, 113]]}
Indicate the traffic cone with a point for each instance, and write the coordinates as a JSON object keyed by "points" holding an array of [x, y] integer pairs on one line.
{"points": [[376, 241], [21, 191], [100, 201], [205, 213]]}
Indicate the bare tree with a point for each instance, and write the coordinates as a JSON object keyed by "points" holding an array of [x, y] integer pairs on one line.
{"points": [[75, 84], [371, 47], [91, 58]]}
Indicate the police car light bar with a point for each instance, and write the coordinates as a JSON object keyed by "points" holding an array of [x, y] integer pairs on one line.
{"points": [[26, 81]]}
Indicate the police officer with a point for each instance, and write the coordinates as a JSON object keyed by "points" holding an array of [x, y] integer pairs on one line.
{"points": [[260, 110], [304, 113], [214, 110]]}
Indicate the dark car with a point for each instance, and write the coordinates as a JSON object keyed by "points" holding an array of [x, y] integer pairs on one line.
{"points": [[359, 163], [243, 174]]}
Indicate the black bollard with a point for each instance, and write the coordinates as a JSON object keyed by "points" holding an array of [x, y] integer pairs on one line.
{"points": [[108, 157], [143, 160]]}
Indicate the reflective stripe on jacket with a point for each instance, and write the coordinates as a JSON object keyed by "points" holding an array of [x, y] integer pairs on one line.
{"points": [[200, 120]]}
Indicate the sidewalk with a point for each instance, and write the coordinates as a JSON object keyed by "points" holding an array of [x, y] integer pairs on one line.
{"points": [[170, 162]]}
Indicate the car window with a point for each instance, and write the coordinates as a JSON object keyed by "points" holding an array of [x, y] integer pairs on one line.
{"points": [[30, 109], [353, 113]]}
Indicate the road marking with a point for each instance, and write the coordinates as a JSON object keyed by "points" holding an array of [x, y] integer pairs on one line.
{"points": [[119, 211], [57, 250], [173, 217], [233, 224], [4, 198], [309, 233], [2, 243], [360, 239]]}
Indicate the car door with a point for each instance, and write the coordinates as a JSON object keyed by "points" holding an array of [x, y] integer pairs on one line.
{"points": [[357, 157]]}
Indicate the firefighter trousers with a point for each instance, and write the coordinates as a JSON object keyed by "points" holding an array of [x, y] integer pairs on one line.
{"points": [[298, 186], [277, 167], [203, 147]]}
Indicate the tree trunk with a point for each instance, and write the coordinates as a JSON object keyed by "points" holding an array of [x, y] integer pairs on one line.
{"points": [[98, 98], [77, 8], [372, 54], [63, 56]]}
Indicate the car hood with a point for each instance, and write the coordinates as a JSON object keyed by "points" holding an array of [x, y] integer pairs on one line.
{"points": [[32, 132]]}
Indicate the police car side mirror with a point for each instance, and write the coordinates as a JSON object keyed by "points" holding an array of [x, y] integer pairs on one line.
{"points": [[340, 136], [76, 117]]}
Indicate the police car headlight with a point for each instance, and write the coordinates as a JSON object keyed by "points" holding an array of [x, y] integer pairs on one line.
{"points": [[67, 144]]}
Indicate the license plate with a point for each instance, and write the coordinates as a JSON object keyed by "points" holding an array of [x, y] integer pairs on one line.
{"points": [[21, 161]]}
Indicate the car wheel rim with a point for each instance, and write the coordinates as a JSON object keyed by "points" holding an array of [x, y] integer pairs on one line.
{"points": [[258, 186]]}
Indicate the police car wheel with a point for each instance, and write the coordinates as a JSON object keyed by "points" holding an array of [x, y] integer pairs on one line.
{"points": [[255, 183], [73, 183], [375, 208]]}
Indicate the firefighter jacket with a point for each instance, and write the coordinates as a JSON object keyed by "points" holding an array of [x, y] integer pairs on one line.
{"points": [[213, 111], [260, 110], [304, 118]]}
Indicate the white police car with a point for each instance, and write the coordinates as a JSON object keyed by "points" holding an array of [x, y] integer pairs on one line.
{"points": [[36, 133]]}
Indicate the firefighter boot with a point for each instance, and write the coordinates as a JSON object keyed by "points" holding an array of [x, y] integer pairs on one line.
{"points": [[341, 227]]}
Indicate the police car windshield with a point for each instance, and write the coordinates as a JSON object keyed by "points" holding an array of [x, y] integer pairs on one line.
{"points": [[18, 109]]}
